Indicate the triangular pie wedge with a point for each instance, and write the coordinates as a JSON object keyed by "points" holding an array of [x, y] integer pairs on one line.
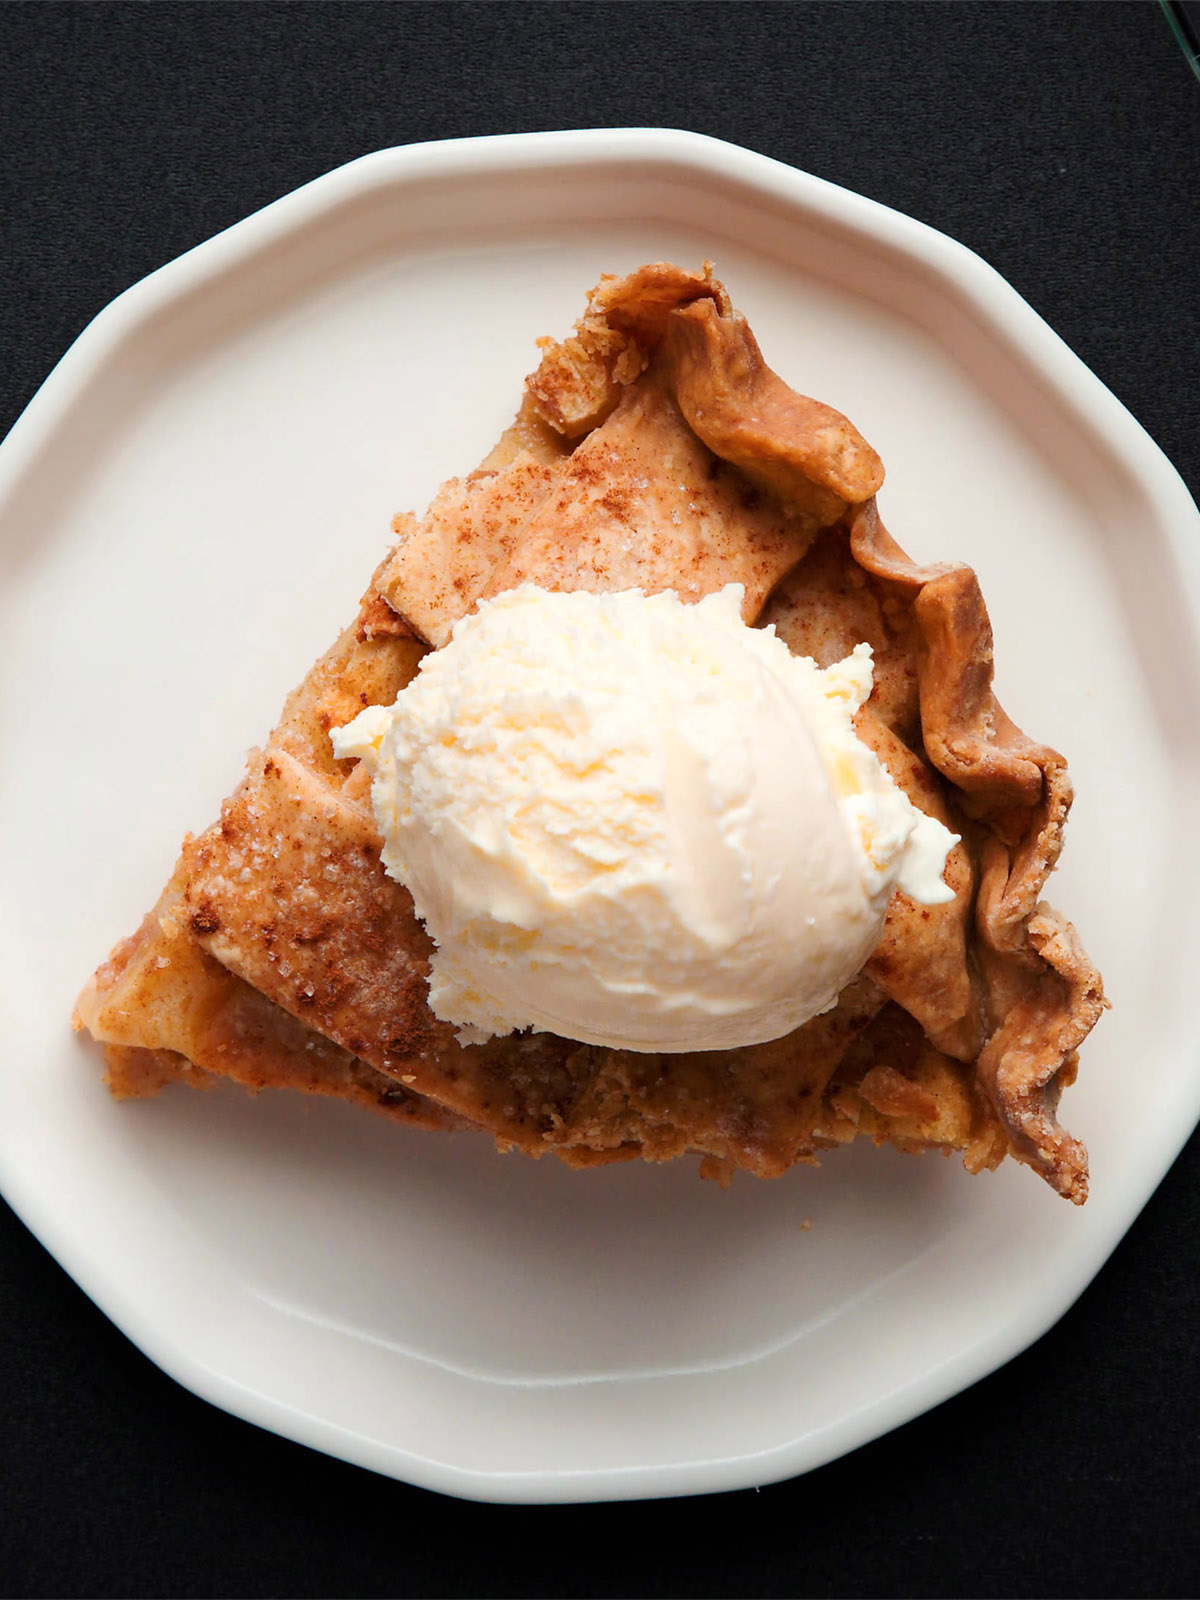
{"points": [[654, 449]]}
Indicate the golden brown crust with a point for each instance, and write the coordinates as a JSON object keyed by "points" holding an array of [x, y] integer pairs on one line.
{"points": [[923, 959], [1037, 992], [168, 1012], [805, 454], [443, 564], [581, 378], [642, 504], [700, 467]]}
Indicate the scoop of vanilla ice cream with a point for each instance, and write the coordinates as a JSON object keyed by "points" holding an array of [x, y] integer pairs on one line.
{"points": [[638, 823]]}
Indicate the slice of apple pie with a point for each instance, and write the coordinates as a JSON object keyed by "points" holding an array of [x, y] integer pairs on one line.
{"points": [[654, 451]]}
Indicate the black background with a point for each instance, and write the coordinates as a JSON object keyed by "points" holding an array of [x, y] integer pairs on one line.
{"points": [[1062, 142]]}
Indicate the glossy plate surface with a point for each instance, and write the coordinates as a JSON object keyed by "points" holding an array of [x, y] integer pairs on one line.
{"points": [[189, 510]]}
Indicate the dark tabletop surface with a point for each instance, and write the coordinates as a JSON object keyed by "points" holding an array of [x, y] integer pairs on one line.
{"points": [[1062, 142]]}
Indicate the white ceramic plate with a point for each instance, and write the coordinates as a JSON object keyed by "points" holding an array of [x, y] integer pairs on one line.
{"points": [[188, 512]]}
